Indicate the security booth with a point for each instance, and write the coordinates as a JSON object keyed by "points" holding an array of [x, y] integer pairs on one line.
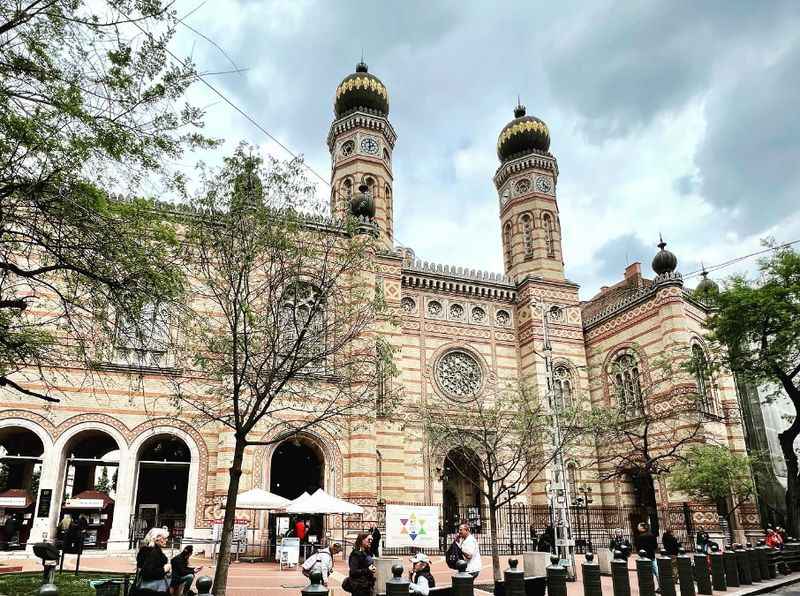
{"points": [[16, 512], [21, 452], [93, 511]]}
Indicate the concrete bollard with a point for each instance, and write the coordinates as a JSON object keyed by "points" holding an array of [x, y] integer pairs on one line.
{"points": [[591, 577], [317, 588], [763, 563], [731, 569], [644, 573], [718, 571], [619, 575], [666, 575], [48, 590], [397, 585], [685, 574], [701, 574], [463, 582], [772, 562], [556, 578], [752, 559], [514, 579], [204, 583], [745, 578]]}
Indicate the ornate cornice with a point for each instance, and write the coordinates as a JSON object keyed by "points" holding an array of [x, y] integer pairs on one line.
{"points": [[361, 119], [459, 280], [535, 159]]}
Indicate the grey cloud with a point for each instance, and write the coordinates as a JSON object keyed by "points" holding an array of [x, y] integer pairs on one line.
{"points": [[749, 159], [609, 262]]}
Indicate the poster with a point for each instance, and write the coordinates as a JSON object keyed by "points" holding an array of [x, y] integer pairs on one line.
{"points": [[412, 525], [238, 537]]}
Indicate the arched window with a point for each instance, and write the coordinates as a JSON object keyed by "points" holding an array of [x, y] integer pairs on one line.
{"points": [[301, 326], [507, 245], [547, 224], [562, 389], [142, 339], [388, 192], [527, 235], [625, 377], [346, 192], [702, 376]]}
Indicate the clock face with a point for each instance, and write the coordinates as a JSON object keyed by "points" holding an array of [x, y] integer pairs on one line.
{"points": [[369, 145], [544, 184]]}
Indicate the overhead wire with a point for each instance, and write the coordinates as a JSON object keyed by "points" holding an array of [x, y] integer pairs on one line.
{"points": [[739, 259]]}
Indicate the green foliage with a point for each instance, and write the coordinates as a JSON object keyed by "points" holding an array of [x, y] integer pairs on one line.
{"points": [[88, 113], [69, 584], [103, 484], [712, 472]]}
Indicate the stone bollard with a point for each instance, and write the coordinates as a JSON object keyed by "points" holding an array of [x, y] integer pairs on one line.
{"points": [[666, 575], [745, 578], [463, 582], [731, 569], [717, 570], [701, 574], [772, 562], [752, 559], [620, 581], [48, 590], [556, 578], [396, 586], [685, 574], [644, 572], [514, 579], [591, 577], [763, 563], [203, 585]]}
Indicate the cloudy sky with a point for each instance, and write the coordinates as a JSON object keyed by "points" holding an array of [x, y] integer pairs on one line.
{"points": [[672, 117]]}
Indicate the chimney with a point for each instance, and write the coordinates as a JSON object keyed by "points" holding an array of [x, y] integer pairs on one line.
{"points": [[634, 270]]}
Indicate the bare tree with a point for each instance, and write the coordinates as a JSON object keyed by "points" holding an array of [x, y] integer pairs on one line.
{"points": [[278, 330], [510, 434]]}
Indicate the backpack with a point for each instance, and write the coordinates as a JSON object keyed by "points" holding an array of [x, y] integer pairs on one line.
{"points": [[453, 555]]}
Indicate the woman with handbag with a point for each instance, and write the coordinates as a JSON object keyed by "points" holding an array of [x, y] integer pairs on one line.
{"points": [[151, 564], [361, 577]]}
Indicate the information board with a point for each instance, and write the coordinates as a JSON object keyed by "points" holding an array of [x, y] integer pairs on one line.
{"points": [[289, 552], [45, 498], [412, 525]]}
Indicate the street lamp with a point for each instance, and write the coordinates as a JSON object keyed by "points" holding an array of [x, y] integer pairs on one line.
{"points": [[584, 501]]}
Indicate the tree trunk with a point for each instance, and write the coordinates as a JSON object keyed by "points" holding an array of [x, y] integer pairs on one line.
{"points": [[493, 536], [224, 558], [787, 439]]}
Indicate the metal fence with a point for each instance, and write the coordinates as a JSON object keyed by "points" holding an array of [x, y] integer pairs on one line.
{"points": [[520, 527]]}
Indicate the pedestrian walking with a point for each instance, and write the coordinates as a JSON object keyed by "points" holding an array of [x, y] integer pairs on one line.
{"points": [[469, 547], [420, 575], [323, 560], [376, 541], [361, 570], [619, 543], [151, 564], [648, 543], [702, 540]]}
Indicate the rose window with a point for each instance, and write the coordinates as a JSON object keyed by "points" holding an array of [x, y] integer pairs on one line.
{"points": [[456, 311], [408, 304], [478, 314], [434, 308], [459, 375]]}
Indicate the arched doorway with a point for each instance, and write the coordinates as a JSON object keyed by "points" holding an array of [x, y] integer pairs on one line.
{"points": [[297, 466], [90, 484], [162, 485], [21, 452], [461, 497]]}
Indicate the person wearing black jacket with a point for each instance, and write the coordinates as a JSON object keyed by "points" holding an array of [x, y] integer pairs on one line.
{"points": [[648, 543], [151, 563], [182, 574], [376, 542], [361, 575], [619, 543]]}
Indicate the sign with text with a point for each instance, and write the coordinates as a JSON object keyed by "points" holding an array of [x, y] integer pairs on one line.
{"points": [[13, 501], [412, 525], [45, 498]]}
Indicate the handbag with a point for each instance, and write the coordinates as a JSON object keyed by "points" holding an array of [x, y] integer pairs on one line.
{"points": [[347, 584]]}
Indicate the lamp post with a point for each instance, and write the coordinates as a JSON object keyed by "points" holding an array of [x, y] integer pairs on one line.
{"points": [[584, 501]]}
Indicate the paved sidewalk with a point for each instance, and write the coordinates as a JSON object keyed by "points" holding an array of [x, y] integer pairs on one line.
{"points": [[260, 579]]}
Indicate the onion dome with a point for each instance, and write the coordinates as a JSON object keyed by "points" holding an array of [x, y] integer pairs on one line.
{"points": [[524, 134], [361, 90], [362, 204], [706, 287], [664, 261]]}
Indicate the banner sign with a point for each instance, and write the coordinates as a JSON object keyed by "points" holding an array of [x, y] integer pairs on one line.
{"points": [[412, 525]]}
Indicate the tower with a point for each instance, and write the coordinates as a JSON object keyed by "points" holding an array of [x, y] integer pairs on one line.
{"points": [[361, 141], [526, 185]]}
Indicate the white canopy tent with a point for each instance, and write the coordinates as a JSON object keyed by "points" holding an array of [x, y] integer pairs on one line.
{"points": [[322, 502], [258, 499]]}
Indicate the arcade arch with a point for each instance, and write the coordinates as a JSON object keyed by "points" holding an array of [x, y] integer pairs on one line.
{"points": [[21, 455]]}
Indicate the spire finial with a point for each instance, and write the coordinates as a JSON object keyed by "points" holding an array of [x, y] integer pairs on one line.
{"points": [[519, 111], [661, 244], [361, 66]]}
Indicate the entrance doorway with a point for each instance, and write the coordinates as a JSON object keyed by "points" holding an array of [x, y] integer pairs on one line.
{"points": [[162, 486], [21, 453], [297, 466], [461, 498], [90, 485]]}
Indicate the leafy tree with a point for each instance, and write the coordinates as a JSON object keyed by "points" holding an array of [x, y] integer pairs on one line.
{"points": [[755, 325], [88, 112], [277, 333], [103, 484], [508, 441], [713, 473]]}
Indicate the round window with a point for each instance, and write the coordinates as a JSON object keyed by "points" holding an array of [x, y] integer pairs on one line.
{"points": [[459, 375]]}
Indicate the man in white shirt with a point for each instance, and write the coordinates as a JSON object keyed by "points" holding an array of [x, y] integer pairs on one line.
{"points": [[469, 546], [323, 559]]}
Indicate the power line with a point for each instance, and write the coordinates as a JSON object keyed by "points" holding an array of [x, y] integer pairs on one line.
{"points": [[735, 260]]}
